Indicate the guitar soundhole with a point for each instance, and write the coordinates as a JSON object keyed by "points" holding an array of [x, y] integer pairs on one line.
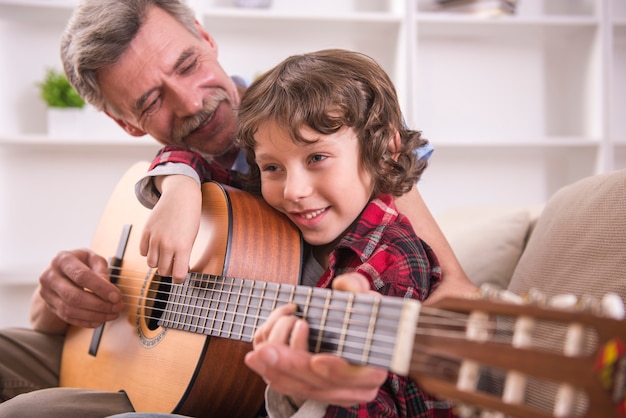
{"points": [[158, 294]]}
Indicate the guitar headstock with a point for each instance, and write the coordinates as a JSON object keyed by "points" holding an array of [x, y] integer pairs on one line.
{"points": [[532, 356]]}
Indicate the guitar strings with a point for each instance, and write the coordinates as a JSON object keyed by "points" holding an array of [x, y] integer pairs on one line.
{"points": [[433, 321], [452, 317]]}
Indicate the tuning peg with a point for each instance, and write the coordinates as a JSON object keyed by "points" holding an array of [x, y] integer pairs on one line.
{"points": [[489, 291], [564, 301], [613, 306]]}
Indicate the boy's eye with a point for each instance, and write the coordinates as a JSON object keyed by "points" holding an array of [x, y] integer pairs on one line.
{"points": [[317, 158], [269, 168]]}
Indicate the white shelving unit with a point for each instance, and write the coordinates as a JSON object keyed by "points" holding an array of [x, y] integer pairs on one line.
{"points": [[516, 107]]}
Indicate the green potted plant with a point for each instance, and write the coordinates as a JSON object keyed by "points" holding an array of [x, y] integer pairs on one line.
{"points": [[64, 105], [56, 91]]}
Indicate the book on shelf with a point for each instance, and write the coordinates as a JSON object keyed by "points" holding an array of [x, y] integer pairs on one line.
{"points": [[474, 7]]}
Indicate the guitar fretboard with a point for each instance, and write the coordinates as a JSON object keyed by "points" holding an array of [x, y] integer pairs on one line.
{"points": [[361, 328]]}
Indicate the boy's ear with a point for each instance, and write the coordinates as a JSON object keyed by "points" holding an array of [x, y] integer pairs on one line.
{"points": [[394, 145], [131, 129]]}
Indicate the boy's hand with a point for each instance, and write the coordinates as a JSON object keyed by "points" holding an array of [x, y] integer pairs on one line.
{"points": [[171, 228], [281, 357]]}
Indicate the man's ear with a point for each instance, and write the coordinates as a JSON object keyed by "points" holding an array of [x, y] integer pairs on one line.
{"points": [[394, 145], [131, 129]]}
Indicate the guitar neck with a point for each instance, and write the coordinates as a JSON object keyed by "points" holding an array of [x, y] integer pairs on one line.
{"points": [[363, 329]]}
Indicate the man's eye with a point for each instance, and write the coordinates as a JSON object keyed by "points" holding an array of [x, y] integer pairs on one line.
{"points": [[269, 168], [151, 106], [188, 68]]}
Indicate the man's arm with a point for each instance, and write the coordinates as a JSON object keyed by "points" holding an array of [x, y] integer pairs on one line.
{"points": [[454, 280], [74, 290]]}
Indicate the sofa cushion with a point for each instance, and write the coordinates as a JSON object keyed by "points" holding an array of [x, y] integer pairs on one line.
{"points": [[579, 247], [488, 241], [579, 243]]}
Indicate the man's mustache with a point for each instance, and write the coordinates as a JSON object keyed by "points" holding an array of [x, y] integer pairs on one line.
{"points": [[194, 122]]}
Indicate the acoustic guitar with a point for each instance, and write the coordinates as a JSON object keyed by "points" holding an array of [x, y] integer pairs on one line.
{"points": [[180, 347]]}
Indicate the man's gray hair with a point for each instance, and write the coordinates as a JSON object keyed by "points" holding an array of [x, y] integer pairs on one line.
{"points": [[100, 31]]}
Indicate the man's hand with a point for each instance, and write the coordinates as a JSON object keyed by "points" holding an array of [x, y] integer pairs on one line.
{"points": [[171, 228], [281, 357], [75, 289]]}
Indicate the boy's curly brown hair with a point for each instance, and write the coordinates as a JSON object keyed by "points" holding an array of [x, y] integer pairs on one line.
{"points": [[326, 90]]}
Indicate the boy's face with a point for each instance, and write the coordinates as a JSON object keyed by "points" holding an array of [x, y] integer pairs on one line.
{"points": [[321, 186], [169, 84]]}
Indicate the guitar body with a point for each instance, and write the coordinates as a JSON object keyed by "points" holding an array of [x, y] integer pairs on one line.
{"points": [[169, 370]]}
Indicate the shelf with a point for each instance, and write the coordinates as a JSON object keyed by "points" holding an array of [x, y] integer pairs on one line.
{"points": [[59, 4], [44, 140], [30, 11], [302, 26], [546, 144], [508, 21], [500, 29], [242, 15]]}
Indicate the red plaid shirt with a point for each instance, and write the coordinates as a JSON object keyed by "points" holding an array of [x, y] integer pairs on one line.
{"points": [[205, 170], [384, 248]]}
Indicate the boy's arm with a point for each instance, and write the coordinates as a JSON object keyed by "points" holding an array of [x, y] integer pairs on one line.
{"points": [[171, 228], [454, 280], [170, 161], [171, 188]]}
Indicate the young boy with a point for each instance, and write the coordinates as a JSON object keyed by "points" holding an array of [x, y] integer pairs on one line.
{"points": [[324, 136]]}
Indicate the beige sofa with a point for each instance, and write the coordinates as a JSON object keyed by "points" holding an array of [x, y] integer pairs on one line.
{"points": [[575, 244]]}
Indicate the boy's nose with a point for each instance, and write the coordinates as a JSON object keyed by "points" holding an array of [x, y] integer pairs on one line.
{"points": [[297, 187]]}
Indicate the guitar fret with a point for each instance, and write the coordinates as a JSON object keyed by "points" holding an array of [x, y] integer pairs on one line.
{"points": [[323, 322], [189, 307], [307, 303], [370, 332], [220, 309], [213, 306], [255, 317], [227, 325], [345, 325], [198, 293], [292, 294], [204, 312], [246, 309], [237, 304], [234, 327], [185, 309], [181, 307]]}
